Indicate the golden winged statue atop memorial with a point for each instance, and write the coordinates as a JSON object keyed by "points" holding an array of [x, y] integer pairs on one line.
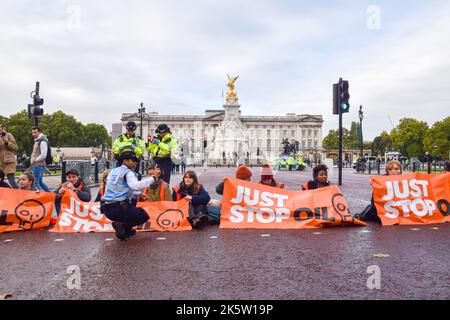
{"points": [[232, 97]]}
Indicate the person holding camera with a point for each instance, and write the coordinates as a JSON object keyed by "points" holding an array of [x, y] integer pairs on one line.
{"points": [[8, 149], [128, 139], [116, 203], [162, 146]]}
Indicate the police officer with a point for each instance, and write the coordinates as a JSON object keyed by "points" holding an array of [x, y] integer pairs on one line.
{"points": [[127, 140], [161, 147], [116, 202]]}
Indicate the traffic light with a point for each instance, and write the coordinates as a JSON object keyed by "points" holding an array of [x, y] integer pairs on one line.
{"points": [[341, 97], [35, 110], [344, 96]]}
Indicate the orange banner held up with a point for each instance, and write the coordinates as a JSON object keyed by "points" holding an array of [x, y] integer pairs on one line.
{"points": [[413, 198], [25, 210], [250, 205], [79, 216]]}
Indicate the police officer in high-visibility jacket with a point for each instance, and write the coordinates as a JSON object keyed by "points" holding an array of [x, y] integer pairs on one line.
{"points": [[127, 139], [162, 147], [121, 184]]}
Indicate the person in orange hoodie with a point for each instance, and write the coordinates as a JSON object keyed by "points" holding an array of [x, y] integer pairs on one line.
{"points": [[267, 178]]}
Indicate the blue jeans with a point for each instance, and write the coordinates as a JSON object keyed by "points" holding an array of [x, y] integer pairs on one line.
{"points": [[38, 173]]}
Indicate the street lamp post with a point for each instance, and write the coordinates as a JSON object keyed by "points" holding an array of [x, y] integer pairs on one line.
{"points": [[361, 117], [141, 112]]}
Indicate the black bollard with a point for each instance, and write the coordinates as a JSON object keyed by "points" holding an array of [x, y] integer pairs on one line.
{"points": [[378, 167], [96, 172], [63, 171]]}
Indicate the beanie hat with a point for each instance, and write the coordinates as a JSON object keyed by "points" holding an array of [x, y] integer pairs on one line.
{"points": [[243, 173], [266, 172]]}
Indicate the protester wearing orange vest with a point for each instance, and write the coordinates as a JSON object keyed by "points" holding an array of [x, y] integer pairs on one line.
{"points": [[320, 178], [267, 178], [192, 190], [159, 191], [74, 183]]}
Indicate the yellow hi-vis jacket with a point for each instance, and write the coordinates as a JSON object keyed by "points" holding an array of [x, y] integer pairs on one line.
{"points": [[124, 140], [164, 148]]}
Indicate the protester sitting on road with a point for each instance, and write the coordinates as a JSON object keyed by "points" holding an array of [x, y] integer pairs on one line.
{"points": [[76, 184], [393, 168], [192, 190], [116, 203], [101, 190], [242, 173], [214, 206], [26, 182], [159, 191], [267, 178], [3, 184], [320, 178]]}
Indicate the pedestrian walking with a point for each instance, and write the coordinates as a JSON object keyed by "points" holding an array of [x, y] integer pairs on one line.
{"points": [[162, 147], [8, 149], [38, 156]]}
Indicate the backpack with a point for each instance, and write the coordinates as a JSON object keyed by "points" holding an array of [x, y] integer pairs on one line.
{"points": [[49, 158]]}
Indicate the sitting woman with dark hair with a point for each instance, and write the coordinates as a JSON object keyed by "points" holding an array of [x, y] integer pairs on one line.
{"points": [[26, 182], [192, 190], [320, 178]]}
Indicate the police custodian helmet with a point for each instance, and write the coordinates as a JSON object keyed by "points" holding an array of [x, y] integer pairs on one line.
{"points": [[131, 125]]}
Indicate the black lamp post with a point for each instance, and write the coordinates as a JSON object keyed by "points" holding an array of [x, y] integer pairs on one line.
{"points": [[361, 117], [141, 112]]}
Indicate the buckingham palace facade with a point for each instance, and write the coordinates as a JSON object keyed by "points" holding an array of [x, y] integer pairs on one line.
{"points": [[196, 134]]}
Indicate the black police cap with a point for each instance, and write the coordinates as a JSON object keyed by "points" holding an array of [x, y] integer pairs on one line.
{"points": [[131, 125], [162, 128]]}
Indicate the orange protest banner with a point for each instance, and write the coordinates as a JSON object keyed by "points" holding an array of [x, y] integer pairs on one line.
{"points": [[413, 198], [167, 215], [25, 210], [79, 216], [250, 205]]}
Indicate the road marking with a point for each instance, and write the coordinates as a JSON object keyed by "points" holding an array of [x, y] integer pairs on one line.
{"points": [[161, 238], [213, 237], [8, 240], [265, 235], [365, 231], [414, 229], [109, 239], [59, 240], [434, 228], [317, 232], [381, 255]]}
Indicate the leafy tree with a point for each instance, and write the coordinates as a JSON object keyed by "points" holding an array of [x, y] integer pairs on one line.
{"points": [[331, 140], [408, 136], [437, 139], [95, 135], [381, 144], [61, 129]]}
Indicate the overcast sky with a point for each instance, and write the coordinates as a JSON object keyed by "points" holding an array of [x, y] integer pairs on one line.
{"points": [[99, 59]]}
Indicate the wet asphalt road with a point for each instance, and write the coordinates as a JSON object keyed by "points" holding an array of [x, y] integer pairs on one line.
{"points": [[234, 264]]}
